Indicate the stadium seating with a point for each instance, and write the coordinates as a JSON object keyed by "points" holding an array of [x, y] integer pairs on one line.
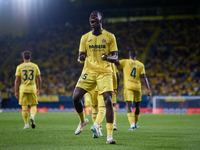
{"points": [[172, 61]]}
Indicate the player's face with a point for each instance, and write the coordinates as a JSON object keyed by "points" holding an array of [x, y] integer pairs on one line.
{"points": [[95, 19]]}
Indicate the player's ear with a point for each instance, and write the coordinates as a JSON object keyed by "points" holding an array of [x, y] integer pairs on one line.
{"points": [[101, 20]]}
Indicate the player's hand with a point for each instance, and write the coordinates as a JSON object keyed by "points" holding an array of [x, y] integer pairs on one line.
{"points": [[115, 92], [82, 57], [104, 56], [38, 92], [17, 95], [80, 60], [148, 93]]}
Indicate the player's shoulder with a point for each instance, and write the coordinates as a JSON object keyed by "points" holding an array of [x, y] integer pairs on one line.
{"points": [[33, 64], [85, 36], [30, 64], [36, 65], [108, 33], [20, 65], [140, 63], [123, 60]]}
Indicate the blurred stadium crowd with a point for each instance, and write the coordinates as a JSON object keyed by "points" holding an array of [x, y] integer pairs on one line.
{"points": [[169, 49]]}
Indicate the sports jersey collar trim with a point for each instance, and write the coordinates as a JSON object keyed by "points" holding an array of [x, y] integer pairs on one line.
{"points": [[99, 34]]}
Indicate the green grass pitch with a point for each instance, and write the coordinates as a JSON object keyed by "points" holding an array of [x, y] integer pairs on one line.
{"points": [[55, 131]]}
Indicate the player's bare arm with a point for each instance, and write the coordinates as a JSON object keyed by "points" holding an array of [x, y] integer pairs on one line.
{"points": [[118, 78], [146, 84], [81, 57], [39, 83], [17, 80], [113, 58]]}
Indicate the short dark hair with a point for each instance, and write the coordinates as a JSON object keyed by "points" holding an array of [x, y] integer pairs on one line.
{"points": [[102, 16], [26, 54]]}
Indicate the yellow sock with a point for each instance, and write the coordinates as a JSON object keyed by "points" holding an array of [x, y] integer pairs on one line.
{"points": [[109, 127], [137, 118], [33, 109], [115, 114], [94, 113], [81, 116], [130, 117], [25, 113], [101, 115]]}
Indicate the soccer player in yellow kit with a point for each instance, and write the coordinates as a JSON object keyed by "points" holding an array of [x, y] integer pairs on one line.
{"points": [[88, 103], [133, 70], [116, 79], [27, 72], [98, 48]]}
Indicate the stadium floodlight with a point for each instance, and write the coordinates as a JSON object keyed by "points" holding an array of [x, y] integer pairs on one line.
{"points": [[176, 104]]}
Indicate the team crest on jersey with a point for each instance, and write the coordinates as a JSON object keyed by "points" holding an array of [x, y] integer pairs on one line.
{"points": [[104, 41], [79, 82]]}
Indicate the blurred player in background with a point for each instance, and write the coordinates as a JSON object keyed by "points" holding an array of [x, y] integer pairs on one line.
{"points": [[88, 104], [27, 72], [133, 70], [116, 79], [99, 109], [101, 50], [98, 112]]}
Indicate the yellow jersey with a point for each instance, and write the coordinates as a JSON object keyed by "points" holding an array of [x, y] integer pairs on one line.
{"points": [[132, 69], [115, 70], [28, 72], [94, 46]]}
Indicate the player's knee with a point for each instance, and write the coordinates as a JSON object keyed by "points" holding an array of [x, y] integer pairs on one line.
{"points": [[129, 109], [76, 98], [108, 102]]}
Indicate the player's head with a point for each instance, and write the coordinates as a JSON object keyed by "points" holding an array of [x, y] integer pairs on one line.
{"points": [[132, 54], [26, 55], [96, 19]]}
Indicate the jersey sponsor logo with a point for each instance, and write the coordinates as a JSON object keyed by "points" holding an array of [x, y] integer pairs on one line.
{"points": [[104, 41], [97, 46], [90, 40]]}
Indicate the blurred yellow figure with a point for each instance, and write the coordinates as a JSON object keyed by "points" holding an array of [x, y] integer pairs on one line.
{"points": [[88, 104]]}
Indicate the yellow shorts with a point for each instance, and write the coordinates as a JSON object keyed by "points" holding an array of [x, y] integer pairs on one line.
{"points": [[131, 95], [101, 100], [28, 98], [88, 81], [87, 99]]}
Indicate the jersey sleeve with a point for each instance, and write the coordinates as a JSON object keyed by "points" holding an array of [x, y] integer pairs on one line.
{"points": [[142, 69], [113, 44], [37, 71], [17, 73], [82, 46], [122, 62]]}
